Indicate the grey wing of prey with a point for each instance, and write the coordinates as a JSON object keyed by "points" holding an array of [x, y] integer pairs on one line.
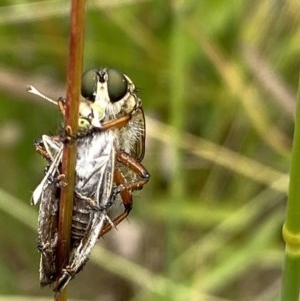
{"points": [[48, 194], [47, 233], [93, 189], [92, 196]]}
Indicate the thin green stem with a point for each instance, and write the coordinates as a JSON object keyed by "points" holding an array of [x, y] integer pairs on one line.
{"points": [[77, 22], [291, 228], [177, 92]]}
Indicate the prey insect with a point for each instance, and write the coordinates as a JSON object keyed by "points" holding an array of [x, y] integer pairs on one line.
{"points": [[110, 148]]}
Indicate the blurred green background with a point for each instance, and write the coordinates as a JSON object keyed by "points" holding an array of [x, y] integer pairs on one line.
{"points": [[218, 80]]}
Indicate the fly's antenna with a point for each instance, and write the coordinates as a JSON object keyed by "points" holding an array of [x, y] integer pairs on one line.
{"points": [[33, 90]]}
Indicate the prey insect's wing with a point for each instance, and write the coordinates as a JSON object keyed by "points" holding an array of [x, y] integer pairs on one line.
{"points": [[105, 184], [48, 192], [82, 252], [47, 232], [90, 222]]}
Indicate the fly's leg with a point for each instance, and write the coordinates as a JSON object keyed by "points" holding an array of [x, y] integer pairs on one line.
{"points": [[106, 125], [68, 136], [126, 197], [91, 204], [135, 166], [96, 125], [125, 188], [118, 123], [61, 102]]}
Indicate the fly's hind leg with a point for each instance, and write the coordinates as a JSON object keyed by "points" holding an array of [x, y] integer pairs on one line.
{"points": [[126, 197], [142, 175], [125, 188]]}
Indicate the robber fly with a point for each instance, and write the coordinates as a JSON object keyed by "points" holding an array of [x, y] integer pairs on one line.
{"points": [[110, 148]]}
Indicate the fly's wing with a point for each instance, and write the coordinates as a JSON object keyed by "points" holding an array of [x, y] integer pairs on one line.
{"points": [[47, 232], [132, 136], [138, 135]]}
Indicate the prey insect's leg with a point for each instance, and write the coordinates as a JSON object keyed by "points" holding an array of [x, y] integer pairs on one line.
{"points": [[50, 173], [39, 148], [51, 149], [48, 147]]}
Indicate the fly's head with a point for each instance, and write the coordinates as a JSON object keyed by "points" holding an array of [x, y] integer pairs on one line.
{"points": [[108, 94]]}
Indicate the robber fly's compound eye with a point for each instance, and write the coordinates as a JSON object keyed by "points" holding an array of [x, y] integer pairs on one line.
{"points": [[117, 85], [89, 83]]}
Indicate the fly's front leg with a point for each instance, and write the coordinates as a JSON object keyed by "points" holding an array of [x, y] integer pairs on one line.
{"points": [[68, 135], [121, 121], [118, 123], [106, 125], [61, 102]]}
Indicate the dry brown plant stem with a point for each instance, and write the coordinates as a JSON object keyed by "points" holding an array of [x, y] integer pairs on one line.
{"points": [[77, 22]]}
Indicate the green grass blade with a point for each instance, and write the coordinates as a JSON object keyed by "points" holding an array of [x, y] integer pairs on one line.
{"points": [[291, 228]]}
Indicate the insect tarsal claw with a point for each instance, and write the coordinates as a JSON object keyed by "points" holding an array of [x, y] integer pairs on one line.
{"points": [[60, 181]]}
